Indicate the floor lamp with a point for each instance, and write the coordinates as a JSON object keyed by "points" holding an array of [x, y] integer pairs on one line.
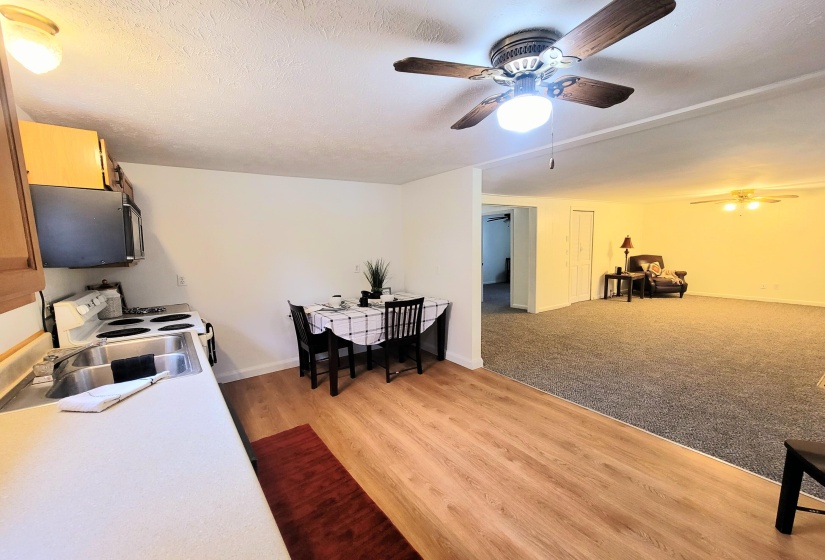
{"points": [[626, 245]]}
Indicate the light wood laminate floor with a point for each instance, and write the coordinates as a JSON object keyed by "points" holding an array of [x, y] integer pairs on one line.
{"points": [[470, 464]]}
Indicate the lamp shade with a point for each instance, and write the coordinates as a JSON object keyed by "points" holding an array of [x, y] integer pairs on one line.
{"points": [[627, 244]]}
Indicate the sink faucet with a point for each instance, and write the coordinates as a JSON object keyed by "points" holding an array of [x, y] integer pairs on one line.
{"points": [[44, 370]]}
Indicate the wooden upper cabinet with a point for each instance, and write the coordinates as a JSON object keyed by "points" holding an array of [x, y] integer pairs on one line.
{"points": [[60, 156], [21, 271]]}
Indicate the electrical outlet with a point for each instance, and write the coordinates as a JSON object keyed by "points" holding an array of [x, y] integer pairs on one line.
{"points": [[763, 287], [181, 280], [357, 268]]}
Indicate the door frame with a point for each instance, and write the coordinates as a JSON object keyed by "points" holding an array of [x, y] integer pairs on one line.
{"points": [[531, 249], [570, 256]]}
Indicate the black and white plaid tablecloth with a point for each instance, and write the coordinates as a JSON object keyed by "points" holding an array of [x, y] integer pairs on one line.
{"points": [[365, 325]]}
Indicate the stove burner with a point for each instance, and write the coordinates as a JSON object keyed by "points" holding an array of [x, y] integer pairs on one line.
{"points": [[123, 332], [170, 318], [143, 310], [125, 322], [176, 326]]}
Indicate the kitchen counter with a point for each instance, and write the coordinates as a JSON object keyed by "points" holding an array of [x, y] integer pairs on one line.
{"points": [[162, 474]]}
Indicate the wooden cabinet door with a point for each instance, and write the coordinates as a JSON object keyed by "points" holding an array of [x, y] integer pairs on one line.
{"points": [[110, 168], [21, 272], [60, 156]]}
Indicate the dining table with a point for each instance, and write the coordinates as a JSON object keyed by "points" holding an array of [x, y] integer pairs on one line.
{"points": [[365, 326]]}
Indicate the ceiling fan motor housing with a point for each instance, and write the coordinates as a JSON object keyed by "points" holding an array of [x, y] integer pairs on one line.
{"points": [[519, 52]]}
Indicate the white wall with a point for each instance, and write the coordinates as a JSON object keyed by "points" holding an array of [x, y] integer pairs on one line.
{"points": [[247, 243], [442, 248], [495, 246], [612, 222], [735, 254]]}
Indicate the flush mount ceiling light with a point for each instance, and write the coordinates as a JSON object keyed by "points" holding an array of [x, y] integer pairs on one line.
{"points": [[30, 39]]}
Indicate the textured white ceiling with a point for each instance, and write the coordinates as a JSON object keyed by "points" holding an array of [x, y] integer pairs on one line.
{"points": [[307, 87], [764, 141]]}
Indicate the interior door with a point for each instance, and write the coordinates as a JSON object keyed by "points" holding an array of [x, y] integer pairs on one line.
{"points": [[581, 255]]}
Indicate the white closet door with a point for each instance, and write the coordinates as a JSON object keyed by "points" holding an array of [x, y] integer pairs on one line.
{"points": [[581, 255]]}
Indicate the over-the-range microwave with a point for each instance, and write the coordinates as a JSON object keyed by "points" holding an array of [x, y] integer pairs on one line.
{"points": [[79, 228]]}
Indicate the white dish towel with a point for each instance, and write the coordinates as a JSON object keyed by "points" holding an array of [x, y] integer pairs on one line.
{"points": [[101, 398]]}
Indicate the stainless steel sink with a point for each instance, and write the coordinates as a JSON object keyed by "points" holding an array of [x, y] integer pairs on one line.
{"points": [[100, 355], [92, 367]]}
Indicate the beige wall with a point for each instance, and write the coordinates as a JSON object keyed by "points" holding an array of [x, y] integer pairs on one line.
{"points": [[733, 254], [612, 221]]}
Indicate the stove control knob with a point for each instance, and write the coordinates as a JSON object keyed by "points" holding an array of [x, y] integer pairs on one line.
{"points": [[82, 309]]}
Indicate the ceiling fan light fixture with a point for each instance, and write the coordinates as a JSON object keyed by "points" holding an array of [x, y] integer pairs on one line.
{"points": [[730, 206], [753, 205], [30, 39], [524, 113]]}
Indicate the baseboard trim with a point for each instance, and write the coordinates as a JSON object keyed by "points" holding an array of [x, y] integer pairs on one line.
{"points": [[255, 371], [272, 367], [552, 307], [754, 298], [518, 306]]}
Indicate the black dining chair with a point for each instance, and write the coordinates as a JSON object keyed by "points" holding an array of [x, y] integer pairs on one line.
{"points": [[402, 328], [310, 344]]}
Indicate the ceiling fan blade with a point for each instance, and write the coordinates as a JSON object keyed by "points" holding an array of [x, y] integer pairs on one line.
{"points": [[775, 196], [717, 201], [482, 110], [611, 24], [764, 199], [415, 65], [588, 91]]}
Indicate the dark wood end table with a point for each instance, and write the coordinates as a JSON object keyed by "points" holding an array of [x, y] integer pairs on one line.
{"points": [[629, 277]]}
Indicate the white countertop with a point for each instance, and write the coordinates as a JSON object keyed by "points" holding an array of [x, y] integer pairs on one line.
{"points": [[162, 474]]}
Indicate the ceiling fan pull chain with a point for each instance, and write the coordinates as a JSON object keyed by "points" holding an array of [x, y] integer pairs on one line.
{"points": [[552, 140]]}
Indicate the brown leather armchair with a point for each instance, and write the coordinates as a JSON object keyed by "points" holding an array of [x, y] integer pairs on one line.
{"points": [[654, 284]]}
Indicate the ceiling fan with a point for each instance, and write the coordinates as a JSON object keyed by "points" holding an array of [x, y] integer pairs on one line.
{"points": [[506, 218], [526, 61], [746, 198]]}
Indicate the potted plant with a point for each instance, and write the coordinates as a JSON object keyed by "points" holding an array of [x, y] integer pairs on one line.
{"points": [[376, 273]]}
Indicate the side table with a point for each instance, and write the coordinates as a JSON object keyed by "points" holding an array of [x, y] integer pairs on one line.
{"points": [[628, 277]]}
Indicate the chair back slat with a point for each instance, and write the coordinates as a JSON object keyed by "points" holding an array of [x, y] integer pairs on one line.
{"points": [[299, 318], [402, 319]]}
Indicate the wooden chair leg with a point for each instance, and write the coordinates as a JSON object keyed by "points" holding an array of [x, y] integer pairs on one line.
{"points": [[387, 360], [351, 354], [369, 357], [418, 356], [302, 364], [313, 370]]}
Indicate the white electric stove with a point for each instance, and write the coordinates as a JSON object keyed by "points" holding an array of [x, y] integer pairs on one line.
{"points": [[78, 323]]}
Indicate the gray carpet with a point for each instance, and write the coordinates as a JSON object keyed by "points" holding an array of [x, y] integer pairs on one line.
{"points": [[731, 378]]}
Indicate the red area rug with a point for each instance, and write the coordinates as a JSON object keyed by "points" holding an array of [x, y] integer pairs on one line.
{"points": [[320, 509]]}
